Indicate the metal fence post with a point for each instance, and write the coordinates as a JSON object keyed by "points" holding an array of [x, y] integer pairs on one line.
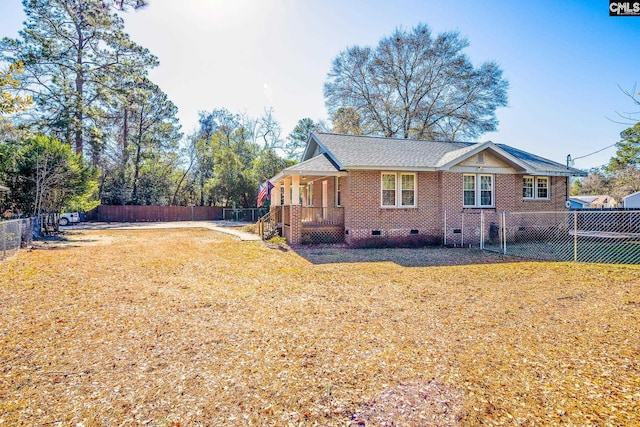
{"points": [[481, 229], [504, 232], [445, 227], [4, 241], [575, 236]]}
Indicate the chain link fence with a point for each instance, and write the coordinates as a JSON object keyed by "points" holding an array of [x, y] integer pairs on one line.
{"points": [[243, 214], [602, 236], [14, 235]]}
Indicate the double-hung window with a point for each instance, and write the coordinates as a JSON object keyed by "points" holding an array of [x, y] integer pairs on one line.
{"points": [[478, 191], [542, 187], [338, 191], [528, 187], [535, 187], [398, 190]]}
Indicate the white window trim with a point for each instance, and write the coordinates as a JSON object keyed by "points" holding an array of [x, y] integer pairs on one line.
{"points": [[339, 189], [548, 179], [398, 190], [535, 187], [478, 190]]}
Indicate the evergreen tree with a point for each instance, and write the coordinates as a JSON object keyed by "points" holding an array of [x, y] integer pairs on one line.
{"points": [[45, 176], [628, 150], [9, 101], [71, 51], [146, 141], [297, 139]]}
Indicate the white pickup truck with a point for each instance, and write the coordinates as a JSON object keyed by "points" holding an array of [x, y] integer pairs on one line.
{"points": [[69, 218]]}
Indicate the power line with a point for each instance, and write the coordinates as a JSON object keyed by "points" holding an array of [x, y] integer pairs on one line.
{"points": [[571, 161], [595, 152]]}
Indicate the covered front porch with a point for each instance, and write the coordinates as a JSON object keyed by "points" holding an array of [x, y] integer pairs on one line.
{"points": [[307, 203], [309, 225]]}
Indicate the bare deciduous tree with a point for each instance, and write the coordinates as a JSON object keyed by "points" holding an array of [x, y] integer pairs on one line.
{"points": [[413, 85]]}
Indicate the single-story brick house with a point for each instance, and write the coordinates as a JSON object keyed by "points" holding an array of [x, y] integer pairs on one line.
{"points": [[356, 189]]}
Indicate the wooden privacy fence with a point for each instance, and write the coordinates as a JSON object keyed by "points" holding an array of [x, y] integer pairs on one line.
{"points": [[130, 213]]}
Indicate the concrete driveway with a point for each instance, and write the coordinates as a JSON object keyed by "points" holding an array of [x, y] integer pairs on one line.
{"points": [[228, 227]]}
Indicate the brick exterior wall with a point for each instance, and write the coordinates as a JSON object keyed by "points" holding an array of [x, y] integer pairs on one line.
{"points": [[504, 183], [363, 213], [437, 192]]}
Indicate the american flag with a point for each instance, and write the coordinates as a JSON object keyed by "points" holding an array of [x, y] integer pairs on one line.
{"points": [[264, 192]]}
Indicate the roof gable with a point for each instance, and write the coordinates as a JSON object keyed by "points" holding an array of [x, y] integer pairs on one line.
{"points": [[312, 149], [502, 158]]}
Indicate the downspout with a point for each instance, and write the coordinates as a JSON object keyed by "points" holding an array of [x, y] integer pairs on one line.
{"points": [[566, 190]]}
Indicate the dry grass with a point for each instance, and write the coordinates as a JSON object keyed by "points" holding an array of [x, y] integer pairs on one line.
{"points": [[191, 327]]}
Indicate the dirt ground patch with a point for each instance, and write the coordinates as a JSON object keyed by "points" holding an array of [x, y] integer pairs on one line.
{"points": [[431, 256], [194, 327]]}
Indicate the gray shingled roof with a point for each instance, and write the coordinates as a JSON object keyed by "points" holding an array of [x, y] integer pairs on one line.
{"points": [[318, 164], [351, 151], [366, 152], [540, 164]]}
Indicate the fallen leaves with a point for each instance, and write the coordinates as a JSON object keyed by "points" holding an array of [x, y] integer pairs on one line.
{"points": [[192, 327]]}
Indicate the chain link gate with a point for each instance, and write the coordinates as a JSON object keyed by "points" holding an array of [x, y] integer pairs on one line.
{"points": [[583, 236], [15, 234], [243, 214]]}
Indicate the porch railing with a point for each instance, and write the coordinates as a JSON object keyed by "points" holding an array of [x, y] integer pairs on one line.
{"points": [[312, 216], [270, 224]]}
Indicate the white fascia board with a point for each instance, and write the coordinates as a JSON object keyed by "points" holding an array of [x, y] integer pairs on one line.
{"points": [[542, 172], [391, 168]]}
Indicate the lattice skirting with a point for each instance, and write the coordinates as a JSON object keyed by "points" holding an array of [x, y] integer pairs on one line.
{"points": [[322, 235]]}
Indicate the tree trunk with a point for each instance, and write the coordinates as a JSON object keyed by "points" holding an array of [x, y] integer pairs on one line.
{"points": [[184, 175], [136, 165], [79, 113]]}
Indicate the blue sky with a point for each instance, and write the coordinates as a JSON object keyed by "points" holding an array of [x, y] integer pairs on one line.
{"points": [[565, 60]]}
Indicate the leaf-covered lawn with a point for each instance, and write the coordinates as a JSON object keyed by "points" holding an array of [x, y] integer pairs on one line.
{"points": [[191, 327]]}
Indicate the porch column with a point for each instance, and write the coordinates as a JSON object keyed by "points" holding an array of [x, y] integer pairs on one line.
{"points": [[287, 191], [296, 211], [296, 224], [325, 199], [295, 190], [275, 195]]}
